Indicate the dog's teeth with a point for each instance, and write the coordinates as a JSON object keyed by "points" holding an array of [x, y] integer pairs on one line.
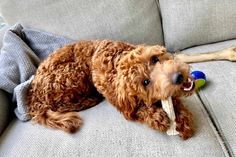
{"points": [[189, 88]]}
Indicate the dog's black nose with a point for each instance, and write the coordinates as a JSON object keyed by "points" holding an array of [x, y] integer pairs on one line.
{"points": [[177, 78]]}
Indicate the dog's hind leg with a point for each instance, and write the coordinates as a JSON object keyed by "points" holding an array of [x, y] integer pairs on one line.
{"points": [[82, 103], [56, 106], [88, 102]]}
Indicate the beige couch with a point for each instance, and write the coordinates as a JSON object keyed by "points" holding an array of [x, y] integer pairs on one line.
{"points": [[177, 24]]}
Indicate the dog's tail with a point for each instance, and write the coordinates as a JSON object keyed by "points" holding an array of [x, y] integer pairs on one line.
{"points": [[66, 121]]}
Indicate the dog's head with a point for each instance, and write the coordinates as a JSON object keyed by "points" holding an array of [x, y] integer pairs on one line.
{"points": [[148, 74]]}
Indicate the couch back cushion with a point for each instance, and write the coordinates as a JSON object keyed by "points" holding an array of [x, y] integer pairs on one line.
{"points": [[132, 21], [188, 23]]}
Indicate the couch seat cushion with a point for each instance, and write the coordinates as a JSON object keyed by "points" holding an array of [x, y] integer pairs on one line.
{"points": [[106, 133], [219, 94]]}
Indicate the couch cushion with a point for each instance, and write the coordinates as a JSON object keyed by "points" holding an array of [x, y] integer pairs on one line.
{"points": [[190, 22], [219, 95], [106, 133], [132, 21], [4, 102]]}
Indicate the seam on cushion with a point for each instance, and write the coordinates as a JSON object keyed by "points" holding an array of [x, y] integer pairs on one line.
{"points": [[215, 127], [160, 17]]}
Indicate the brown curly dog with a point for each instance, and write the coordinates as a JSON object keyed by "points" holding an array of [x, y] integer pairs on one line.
{"points": [[134, 78]]}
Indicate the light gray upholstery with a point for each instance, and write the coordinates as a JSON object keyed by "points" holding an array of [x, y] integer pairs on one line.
{"points": [[106, 133], [219, 95], [132, 21], [4, 100], [194, 22]]}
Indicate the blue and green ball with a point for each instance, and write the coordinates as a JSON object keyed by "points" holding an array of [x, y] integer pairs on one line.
{"points": [[200, 79]]}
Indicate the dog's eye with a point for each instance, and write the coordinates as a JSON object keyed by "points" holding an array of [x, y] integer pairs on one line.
{"points": [[146, 82], [154, 59]]}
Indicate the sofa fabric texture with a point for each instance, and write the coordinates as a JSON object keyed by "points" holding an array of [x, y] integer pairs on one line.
{"points": [[219, 93], [188, 23], [105, 132], [4, 99], [132, 21]]}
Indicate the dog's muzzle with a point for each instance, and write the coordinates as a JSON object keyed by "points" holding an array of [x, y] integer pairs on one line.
{"points": [[178, 79]]}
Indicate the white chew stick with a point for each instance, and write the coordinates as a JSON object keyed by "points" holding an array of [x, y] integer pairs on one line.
{"points": [[167, 106]]}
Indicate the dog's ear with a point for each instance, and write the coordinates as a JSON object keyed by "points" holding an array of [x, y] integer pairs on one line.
{"points": [[127, 102], [128, 88], [163, 50]]}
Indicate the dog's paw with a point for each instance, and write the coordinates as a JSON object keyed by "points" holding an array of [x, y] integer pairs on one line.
{"points": [[160, 120], [185, 132], [184, 126]]}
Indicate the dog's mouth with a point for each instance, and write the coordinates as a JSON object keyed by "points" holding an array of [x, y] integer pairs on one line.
{"points": [[188, 85]]}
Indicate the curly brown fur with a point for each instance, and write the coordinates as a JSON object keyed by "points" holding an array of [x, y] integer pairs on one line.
{"points": [[154, 117], [184, 119], [76, 77]]}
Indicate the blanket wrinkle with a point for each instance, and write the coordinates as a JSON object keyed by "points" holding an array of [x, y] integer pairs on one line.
{"points": [[23, 50]]}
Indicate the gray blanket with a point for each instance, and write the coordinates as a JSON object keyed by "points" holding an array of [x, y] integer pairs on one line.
{"points": [[23, 49]]}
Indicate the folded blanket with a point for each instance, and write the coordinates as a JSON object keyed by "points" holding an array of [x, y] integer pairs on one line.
{"points": [[23, 49]]}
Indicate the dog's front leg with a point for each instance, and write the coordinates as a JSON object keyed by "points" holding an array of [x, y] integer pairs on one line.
{"points": [[154, 117], [184, 122]]}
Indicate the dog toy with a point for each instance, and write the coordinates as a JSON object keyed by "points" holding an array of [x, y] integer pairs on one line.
{"points": [[167, 106], [200, 79]]}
